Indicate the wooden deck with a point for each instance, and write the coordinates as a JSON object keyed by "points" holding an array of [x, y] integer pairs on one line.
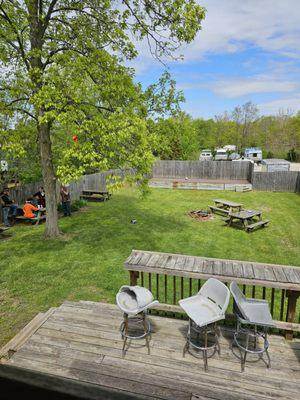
{"points": [[81, 341]]}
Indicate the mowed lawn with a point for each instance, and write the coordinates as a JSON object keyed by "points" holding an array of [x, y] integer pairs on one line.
{"points": [[87, 263]]}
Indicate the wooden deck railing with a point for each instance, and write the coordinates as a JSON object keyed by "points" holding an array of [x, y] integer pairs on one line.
{"points": [[172, 277]]}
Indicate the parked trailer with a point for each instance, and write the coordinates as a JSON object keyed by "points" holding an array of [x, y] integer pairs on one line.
{"points": [[254, 153]]}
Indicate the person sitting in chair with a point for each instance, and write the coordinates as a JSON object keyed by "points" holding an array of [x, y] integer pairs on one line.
{"points": [[29, 209]]}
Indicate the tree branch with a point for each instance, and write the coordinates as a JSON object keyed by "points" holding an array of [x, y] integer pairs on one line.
{"points": [[21, 49], [25, 112]]}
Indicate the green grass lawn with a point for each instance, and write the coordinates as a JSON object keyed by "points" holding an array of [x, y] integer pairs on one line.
{"points": [[87, 263]]}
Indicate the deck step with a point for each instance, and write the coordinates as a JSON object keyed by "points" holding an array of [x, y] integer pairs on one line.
{"points": [[21, 337], [213, 208], [243, 188], [257, 224]]}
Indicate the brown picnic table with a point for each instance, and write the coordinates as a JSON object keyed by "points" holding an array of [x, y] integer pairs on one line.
{"points": [[40, 216], [225, 206], [95, 195], [250, 219]]}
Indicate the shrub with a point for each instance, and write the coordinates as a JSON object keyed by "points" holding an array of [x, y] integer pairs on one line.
{"points": [[75, 205]]}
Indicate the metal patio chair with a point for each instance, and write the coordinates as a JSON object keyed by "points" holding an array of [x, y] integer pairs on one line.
{"points": [[204, 310], [250, 314], [135, 301]]}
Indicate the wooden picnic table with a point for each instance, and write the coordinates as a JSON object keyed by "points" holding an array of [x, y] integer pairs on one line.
{"points": [[41, 215], [90, 194], [249, 218], [225, 206]]}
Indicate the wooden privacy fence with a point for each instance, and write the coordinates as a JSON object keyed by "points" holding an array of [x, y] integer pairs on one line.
{"points": [[279, 181], [202, 169], [172, 277], [97, 181]]}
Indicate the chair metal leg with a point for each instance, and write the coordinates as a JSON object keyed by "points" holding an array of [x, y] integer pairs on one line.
{"points": [[217, 334], [125, 336], [205, 351], [266, 345], [255, 336], [245, 354], [145, 332], [186, 346]]}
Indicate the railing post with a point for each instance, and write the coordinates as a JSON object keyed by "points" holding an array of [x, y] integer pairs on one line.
{"points": [[291, 310], [134, 275]]}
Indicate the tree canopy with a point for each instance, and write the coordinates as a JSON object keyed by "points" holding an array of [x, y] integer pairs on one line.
{"points": [[62, 67], [182, 137]]}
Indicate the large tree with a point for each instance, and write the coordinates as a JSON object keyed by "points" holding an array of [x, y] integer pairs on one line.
{"points": [[244, 116], [60, 62]]}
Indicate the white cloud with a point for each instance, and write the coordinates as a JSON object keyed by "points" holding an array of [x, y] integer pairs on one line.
{"points": [[289, 103], [231, 88], [234, 25], [231, 25], [269, 27]]}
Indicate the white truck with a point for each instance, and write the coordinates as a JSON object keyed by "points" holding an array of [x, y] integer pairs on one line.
{"points": [[221, 155], [206, 155]]}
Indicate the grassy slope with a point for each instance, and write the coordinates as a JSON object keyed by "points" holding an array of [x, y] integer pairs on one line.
{"points": [[88, 263]]}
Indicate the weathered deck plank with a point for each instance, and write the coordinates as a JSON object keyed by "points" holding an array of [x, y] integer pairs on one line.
{"points": [[81, 341]]}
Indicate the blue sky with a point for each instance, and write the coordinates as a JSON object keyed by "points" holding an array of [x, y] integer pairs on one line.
{"points": [[248, 50]]}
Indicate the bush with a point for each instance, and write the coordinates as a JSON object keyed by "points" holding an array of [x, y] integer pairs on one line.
{"points": [[75, 205]]}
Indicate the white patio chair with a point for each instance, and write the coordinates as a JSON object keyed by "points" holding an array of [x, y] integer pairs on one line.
{"points": [[204, 310], [251, 313], [135, 302]]}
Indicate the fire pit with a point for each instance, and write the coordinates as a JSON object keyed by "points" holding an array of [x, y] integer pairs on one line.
{"points": [[201, 215]]}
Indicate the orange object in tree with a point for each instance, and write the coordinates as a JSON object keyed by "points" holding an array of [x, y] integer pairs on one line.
{"points": [[28, 210]]}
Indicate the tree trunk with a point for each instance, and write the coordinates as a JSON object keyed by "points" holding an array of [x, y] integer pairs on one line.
{"points": [[49, 179]]}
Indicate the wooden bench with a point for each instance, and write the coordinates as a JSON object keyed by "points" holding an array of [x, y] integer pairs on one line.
{"points": [[225, 206], [268, 277], [223, 210], [94, 195], [250, 228], [36, 219]]}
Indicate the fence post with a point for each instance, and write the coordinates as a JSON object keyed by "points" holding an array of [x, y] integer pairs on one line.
{"points": [[291, 310], [134, 275]]}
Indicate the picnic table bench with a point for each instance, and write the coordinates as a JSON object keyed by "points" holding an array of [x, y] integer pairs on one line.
{"points": [[3, 229], [225, 206], [41, 216], [250, 219], [95, 195], [266, 276]]}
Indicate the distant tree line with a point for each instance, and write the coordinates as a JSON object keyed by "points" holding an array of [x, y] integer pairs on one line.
{"points": [[177, 137], [183, 137]]}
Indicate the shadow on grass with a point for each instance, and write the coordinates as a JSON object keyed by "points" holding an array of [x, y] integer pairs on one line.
{"points": [[111, 225]]}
